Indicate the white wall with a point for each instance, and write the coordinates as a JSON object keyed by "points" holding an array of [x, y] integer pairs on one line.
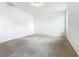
{"points": [[50, 24], [14, 23], [73, 25]]}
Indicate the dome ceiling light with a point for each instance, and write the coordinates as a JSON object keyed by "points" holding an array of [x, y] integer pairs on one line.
{"points": [[36, 4]]}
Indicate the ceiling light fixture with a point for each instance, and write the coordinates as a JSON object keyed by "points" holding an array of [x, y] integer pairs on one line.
{"points": [[36, 4]]}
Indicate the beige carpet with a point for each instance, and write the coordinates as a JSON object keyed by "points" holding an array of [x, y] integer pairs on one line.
{"points": [[37, 46]]}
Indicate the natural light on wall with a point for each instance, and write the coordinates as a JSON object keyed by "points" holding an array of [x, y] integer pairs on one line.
{"points": [[50, 24]]}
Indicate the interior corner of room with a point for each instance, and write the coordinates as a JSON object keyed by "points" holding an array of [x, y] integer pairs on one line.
{"points": [[29, 29]]}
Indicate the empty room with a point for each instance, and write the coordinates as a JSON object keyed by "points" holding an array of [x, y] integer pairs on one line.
{"points": [[39, 29]]}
